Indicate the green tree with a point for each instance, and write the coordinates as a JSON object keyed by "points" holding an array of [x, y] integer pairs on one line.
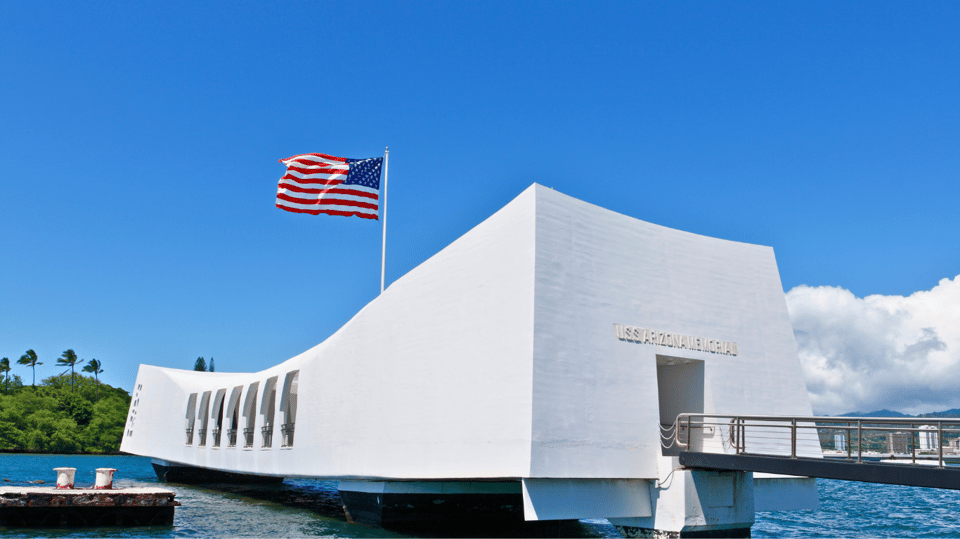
{"points": [[94, 366], [68, 359], [63, 439], [14, 383], [10, 436], [106, 429], [211, 364], [28, 403], [55, 418], [200, 365], [35, 440], [30, 359], [60, 415], [44, 421], [75, 407], [5, 371]]}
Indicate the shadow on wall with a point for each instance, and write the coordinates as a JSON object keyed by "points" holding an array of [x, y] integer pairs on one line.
{"points": [[221, 410]]}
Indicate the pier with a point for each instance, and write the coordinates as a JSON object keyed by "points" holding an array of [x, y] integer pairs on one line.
{"points": [[50, 507]]}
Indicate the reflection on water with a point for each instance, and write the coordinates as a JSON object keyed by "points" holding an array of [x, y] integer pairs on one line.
{"points": [[322, 498], [310, 508]]}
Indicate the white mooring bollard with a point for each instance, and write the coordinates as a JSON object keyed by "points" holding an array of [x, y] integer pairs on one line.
{"points": [[65, 477], [104, 478]]}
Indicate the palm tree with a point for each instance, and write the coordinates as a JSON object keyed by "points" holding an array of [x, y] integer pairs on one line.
{"points": [[94, 366], [30, 359], [5, 370], [68, 359]]}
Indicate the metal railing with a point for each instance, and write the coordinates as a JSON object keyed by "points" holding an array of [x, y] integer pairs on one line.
{"points": [[860, 438]]}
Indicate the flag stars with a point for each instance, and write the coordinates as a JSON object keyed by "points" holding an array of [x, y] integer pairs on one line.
{"points": [[365, 172]]}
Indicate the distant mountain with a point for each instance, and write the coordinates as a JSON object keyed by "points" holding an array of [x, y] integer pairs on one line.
{"points": [[949, 413], [890, 413], [878, 413]]}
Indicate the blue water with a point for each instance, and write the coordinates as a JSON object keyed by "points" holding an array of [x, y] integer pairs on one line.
{"points": [[309, 508], [263, 512], [853, 509]]}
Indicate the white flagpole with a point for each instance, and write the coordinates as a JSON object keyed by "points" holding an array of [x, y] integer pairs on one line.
{"points": [[383, 253]]}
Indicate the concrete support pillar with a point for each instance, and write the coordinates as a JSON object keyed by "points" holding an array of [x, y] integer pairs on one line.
{"points": [[695, 503]]}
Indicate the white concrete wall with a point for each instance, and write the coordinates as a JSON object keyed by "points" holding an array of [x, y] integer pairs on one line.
{"points": [[433, 379], [430, 380], [596, 407], [497, 357]]}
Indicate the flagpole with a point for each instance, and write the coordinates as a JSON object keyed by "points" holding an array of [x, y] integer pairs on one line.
{"points": [[383, 253]]}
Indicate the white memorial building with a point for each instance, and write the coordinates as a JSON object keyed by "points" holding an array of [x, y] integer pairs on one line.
{"points": [[525, 370]]}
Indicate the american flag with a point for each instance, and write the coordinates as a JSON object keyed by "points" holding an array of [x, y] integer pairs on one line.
{"points": [[318, 183]]}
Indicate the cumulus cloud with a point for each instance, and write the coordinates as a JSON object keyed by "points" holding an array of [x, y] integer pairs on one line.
{"points": [[893, 352]]}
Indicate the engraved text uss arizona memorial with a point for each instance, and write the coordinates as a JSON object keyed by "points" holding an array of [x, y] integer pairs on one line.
{"points": [[674, 340]]}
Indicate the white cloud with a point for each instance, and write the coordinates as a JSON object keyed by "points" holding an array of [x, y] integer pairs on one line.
{"points": [[865, 354]]}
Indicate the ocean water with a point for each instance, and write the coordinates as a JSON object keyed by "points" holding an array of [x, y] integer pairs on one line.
{"points": [[294, 509], [310, 508]]}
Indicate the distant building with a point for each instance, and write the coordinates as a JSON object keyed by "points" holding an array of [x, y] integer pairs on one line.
{"points": [[929, 439], [898, 442], [840, 442]]}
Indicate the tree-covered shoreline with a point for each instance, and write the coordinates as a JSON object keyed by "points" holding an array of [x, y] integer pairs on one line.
{"points": [[66, 413]]}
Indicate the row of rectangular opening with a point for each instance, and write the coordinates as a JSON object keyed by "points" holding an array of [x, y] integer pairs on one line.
{"points": [[217, 411]]}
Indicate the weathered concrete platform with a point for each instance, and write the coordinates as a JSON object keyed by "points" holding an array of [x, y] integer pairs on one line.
{"points": [[48, 507]]}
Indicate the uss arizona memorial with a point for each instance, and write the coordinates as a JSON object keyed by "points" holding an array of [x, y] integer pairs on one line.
{"points": [[526, 370]]}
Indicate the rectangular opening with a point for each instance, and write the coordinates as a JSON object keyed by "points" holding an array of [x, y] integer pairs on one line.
{"points": [[250, 414], [191, 416], [217, 416], [233, 416], [288, 406], [268, 408], [680, 388], [204, 417]]}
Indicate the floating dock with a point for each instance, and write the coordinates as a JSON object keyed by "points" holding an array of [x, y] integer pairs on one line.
{"points": [[49, 507]]}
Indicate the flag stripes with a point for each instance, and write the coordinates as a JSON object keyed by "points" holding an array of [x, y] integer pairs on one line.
{"points": [[341, 201]]}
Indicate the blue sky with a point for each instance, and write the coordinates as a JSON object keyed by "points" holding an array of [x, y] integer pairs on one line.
{"points": [[139, 146]]}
